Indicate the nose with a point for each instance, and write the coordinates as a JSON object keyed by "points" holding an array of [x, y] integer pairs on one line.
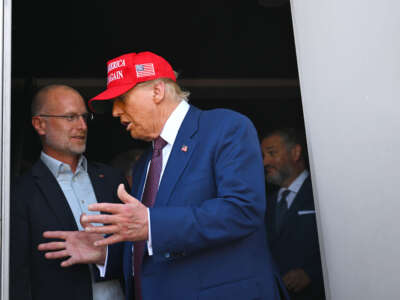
{"points": [[82, 122], [266, 159], [117, 110]]}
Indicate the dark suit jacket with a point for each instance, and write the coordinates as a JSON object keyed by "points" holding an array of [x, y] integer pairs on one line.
{"points": [[296, 245], [37, 205], [207, 224]]}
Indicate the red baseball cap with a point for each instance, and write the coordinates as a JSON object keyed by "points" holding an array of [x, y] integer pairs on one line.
{"points": [[125, 71]]}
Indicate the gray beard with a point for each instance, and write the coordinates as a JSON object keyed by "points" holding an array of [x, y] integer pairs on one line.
{"points": [[280, 177]]}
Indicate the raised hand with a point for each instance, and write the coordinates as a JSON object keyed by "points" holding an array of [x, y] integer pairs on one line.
{"points": [[76, 246], [125, 222]]}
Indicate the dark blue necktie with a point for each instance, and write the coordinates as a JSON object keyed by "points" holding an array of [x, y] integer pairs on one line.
{"points": [[281, 210], [148, 199]]}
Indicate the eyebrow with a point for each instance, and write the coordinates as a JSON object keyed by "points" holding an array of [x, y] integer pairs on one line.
{"points": [[270, 147], [71, 113]]}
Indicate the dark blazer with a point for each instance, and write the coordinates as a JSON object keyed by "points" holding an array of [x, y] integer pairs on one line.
{"points": [[296, 245], [37, 205], [207, 225]]}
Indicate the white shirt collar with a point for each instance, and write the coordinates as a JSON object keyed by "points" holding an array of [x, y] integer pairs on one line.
{"points": [[298, 182], [174, 122], [56, 167]]}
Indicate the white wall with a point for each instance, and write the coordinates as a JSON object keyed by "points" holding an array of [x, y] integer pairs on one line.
{"points": [[349, 66], [5, 123]]}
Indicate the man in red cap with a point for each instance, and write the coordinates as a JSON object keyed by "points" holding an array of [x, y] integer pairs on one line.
{"points": [[193, 225]]}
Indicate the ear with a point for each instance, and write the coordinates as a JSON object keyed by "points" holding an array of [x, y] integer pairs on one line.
{"points": [[296, 152], [159, 92], [39, 124]]}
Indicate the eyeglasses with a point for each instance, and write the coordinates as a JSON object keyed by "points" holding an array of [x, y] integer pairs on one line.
{"points": [[72, 118]]}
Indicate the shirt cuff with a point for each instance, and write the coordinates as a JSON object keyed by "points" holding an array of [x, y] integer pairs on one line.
{"points": [[149, 244], [103, 268]]}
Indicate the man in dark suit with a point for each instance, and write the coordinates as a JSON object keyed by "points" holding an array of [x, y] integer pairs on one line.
{"points": [[201, 236], [51, 196], [290, 217]]}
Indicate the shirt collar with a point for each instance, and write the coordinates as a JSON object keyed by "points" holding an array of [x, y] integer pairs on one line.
{"points": [[174, 122], [56, 167], [298, 182]]}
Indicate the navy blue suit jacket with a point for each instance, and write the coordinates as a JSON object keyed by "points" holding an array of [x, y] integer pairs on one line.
{"points": [[37, 205], [296, 245], [207, 224]]}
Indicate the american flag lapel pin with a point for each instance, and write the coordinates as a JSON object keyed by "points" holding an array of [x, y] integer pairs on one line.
{"points": [[101, 175], [184, 148]]}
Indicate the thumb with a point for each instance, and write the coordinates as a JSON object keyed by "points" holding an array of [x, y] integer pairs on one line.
{"points": [[123, 195]]}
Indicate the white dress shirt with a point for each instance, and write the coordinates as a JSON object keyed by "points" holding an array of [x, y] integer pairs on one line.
{"points": [[168, 133]]}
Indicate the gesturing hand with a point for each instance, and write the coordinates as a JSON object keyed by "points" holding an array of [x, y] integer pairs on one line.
{"points": [[125, 222], [77, 246]]}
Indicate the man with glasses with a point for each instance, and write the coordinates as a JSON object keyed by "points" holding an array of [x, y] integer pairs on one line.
{"points": [[52, 196]]}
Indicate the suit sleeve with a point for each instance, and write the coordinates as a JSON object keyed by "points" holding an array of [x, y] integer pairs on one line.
{"points": [[236, 210], [114, 262], [313, 266], [20, 248], [115, 251]]}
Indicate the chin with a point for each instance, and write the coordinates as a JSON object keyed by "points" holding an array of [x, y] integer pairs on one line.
{"points": [[274, 179], [134, 136], [79, 150], [141, 137]]}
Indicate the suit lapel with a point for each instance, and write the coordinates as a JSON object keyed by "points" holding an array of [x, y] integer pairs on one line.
{"points": [[53, 195], [298, 204], [183, 147], [97, 178], [139, 175]]}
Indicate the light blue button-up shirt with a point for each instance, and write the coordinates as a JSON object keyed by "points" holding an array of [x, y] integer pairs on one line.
{"points": [[78, 191], [77, 187]]}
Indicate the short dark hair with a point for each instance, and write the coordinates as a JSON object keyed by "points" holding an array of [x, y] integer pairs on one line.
{"points": [[291, 136]]}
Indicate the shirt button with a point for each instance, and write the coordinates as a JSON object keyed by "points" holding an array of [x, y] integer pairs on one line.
{"points": [[83, 201]]}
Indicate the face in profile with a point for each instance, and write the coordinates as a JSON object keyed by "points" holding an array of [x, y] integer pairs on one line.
{"points": [[63, 137], [137, 112], [277, 160]]}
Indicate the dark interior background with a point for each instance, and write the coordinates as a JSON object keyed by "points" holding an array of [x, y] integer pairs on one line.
{"points": [[210, 43]]}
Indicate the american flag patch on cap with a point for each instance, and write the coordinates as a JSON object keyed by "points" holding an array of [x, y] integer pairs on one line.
{"points": [[144, 70]]}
